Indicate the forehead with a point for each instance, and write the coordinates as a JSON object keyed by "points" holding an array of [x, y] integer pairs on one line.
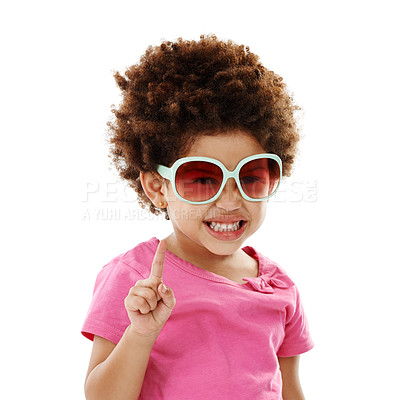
{"points": [[229, 147]]}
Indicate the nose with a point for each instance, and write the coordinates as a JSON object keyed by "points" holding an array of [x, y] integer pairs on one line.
{"points": [[230, 196]]}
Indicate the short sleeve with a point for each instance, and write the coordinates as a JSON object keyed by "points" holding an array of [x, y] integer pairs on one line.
{"points": [[297, 338], [107, 316]]}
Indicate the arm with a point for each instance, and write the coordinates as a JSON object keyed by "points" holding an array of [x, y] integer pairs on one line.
{"points": [[291, 388], [117, 371]]}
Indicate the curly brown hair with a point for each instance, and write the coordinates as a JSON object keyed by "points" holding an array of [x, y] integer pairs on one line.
{"points": [[181, 90]]}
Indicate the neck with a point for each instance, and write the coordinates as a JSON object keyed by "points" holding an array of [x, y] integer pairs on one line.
{"points": [[198, 255]]}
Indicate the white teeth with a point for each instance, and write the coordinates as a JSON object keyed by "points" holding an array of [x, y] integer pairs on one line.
{"points": [[216, 226]]}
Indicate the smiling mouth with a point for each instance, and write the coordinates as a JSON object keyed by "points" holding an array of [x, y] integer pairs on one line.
{"points": [[225, 227]]}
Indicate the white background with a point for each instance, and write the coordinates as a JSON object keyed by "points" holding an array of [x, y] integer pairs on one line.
{"points": [[65, 213]]}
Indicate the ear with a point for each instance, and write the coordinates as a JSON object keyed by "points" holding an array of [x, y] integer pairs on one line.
{"points": [[153, 187]]}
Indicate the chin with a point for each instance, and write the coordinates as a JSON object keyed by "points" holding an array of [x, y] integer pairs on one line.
{"points": [[224, 248]]}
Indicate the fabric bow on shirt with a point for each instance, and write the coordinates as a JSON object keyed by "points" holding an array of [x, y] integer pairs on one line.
{"points": [[266, 283]]}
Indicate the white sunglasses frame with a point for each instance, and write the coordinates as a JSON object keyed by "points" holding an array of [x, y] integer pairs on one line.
{"points": [[170, 172]]}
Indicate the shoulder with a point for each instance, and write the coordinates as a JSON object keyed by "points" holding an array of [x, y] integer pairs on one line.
{"points": [[141, 256], [129, 266], [270, 269]]}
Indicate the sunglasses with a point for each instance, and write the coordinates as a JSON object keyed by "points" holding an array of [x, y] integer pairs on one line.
{"points": [[200, 180]]}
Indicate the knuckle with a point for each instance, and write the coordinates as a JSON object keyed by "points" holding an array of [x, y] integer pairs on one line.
{"points": [[132, 291], [128, 302], [154, 298], [140, 282], [141, 302], [144, 305], [142, 297]]}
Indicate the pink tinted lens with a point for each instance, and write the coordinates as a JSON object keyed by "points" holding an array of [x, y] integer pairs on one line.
{"points": [[198, 180], [260, 178]]}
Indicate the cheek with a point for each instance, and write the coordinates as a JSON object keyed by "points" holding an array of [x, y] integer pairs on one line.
{"points": [[181, 212], [184, 214], [259, 214]]}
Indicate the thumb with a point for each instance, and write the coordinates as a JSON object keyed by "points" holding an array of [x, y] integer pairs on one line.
{"points": [[167, 296]]}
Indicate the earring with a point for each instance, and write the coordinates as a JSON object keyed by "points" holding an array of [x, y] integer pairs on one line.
{"points": [[162, 204]]}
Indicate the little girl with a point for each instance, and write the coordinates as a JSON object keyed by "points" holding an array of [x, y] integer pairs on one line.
{"points": [[204, 135]]}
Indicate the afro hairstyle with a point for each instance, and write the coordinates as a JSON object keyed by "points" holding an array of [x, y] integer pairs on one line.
{"points": [[183, 89]]}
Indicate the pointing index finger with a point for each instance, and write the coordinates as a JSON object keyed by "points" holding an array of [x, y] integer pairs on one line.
{"points": [[158, 262]]}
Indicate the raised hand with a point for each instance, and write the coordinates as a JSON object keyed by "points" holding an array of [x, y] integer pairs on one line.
{"points": [[148, 306]]}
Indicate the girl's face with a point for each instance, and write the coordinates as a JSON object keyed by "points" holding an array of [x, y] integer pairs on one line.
{"points": [[192, 235]]}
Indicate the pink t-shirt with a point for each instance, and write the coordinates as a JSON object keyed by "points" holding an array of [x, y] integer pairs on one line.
{"points": [[222, 339]]}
